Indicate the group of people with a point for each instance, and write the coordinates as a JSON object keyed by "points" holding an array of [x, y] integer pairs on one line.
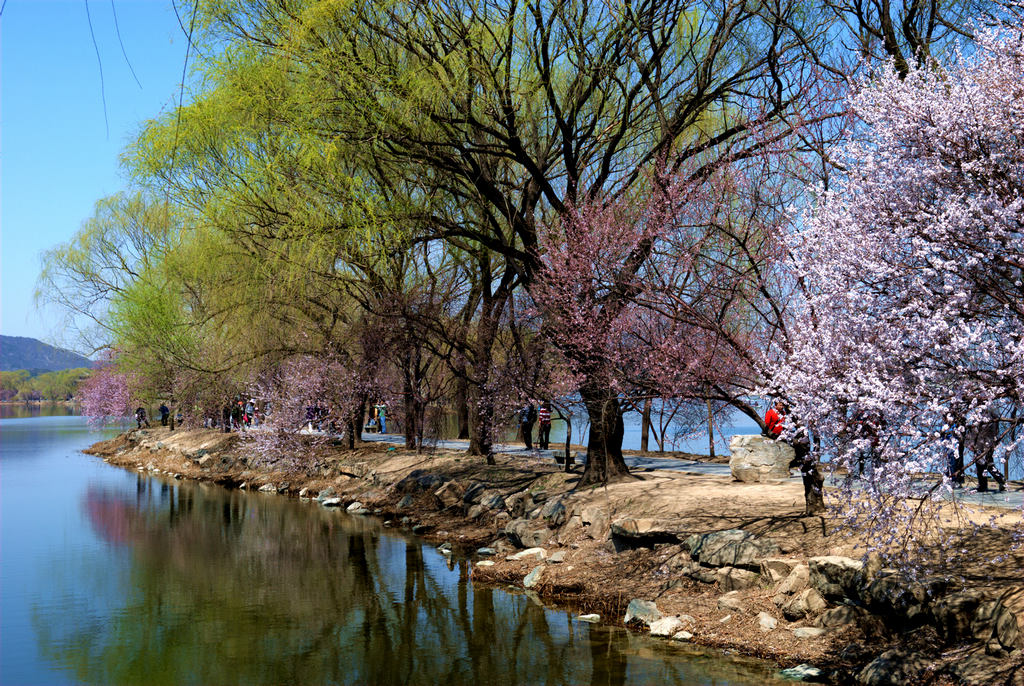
{"points": [[378, 420], [530, 415], [141, 418], [981, 438], [240, 415]]}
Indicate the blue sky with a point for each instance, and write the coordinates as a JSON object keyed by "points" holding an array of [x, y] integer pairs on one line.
{"points": [[56, 157]]}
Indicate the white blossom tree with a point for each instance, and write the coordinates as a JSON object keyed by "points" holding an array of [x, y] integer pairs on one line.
{"points": [[913, 326]]}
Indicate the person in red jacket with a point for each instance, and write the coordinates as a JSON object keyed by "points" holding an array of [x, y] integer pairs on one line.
{"points": [[775, 419]]}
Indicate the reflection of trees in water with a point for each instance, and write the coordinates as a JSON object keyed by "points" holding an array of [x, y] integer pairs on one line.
{"points": [[228, 587]]}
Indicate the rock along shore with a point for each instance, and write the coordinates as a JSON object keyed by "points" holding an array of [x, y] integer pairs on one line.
{"points": [[695, 558]]}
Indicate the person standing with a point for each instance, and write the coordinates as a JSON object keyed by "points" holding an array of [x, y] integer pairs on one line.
{"points": [[140, 417], [544, 425], [165, 413], [775, 419], [381, 409], [527, 416]]}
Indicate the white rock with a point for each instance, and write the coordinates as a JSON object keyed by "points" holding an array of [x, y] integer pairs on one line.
{"points": [[589, 618], [666, 626], [766, 621], [682, 636], [485, 563], [331, 502], [808, 632], [535, 553], [354, 506]]}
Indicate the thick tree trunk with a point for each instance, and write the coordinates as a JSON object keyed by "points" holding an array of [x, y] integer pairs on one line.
{"points": [[604, 446], [814, 482], [355, 422], [645, 424], [462, 403], [482, 429]]}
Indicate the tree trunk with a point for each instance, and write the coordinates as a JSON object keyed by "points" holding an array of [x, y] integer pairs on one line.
{"points": [[355, 422], [462, 402], [814, 483], [711, 433], [482, 429], [604, 446], [645, 424], [481, 419], [569, 461], [408, 401]]}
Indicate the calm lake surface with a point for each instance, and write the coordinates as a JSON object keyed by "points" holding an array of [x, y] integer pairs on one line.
{"points": [[112, 577]]}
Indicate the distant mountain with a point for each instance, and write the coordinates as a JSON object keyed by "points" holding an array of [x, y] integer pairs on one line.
{"points": [[17, 352]]}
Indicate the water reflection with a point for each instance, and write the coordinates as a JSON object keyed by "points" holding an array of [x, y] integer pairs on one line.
{"points": [[218, 587], [25, 410]]}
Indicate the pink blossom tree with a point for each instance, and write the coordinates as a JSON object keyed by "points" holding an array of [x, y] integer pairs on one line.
{"points": [[682, 294], [304, 390], [106, 395], [912, 333]]}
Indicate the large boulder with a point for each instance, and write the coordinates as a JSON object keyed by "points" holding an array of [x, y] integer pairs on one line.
{"points": [[735, 579], [554, 513], [474, 493], [807, 602], [420, 480], [756, 459], [901, 600], [836, 577], [775, 569], [525, 533], [896, 667], [595, 519], [797, 580], [449, 494], [731, 548], [493, 500], [646, 529], [518, 504], [953, 614]]}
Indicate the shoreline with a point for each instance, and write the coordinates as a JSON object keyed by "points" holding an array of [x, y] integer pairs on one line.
{"points": [[697, 558]]}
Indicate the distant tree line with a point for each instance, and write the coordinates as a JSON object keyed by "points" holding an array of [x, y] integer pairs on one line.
{"points": [[25, 384]]}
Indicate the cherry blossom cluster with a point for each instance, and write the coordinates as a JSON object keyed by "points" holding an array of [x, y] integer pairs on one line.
{"points": [[106, 396], [912, 332], [310, 399]]}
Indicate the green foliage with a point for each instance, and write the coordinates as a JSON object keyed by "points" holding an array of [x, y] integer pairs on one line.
{"points": [[54, 386]]}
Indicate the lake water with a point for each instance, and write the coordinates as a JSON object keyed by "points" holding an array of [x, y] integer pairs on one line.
{"points": [[113, 577]]}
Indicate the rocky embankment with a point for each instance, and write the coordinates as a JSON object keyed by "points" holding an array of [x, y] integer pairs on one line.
{"points": [[690, 558]]}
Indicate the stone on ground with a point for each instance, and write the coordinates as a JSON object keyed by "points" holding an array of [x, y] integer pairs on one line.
{"points": [[756, 459], [666, 626], [766, 621], [533, 578], [644, 610]]}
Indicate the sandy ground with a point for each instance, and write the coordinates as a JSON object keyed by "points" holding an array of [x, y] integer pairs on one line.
{"points": [[593, 577]]}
